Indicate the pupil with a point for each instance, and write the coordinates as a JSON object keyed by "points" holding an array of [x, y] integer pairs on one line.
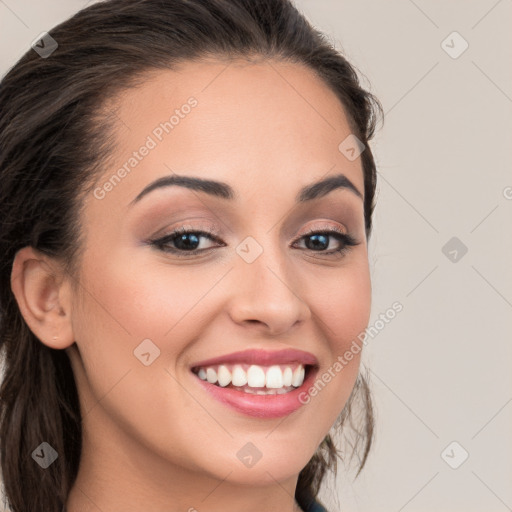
{"points": [[183, 238], [324, 243]]}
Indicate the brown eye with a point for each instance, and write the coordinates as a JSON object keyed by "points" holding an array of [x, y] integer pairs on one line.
{"points": [[318, 241], [183, 241]]}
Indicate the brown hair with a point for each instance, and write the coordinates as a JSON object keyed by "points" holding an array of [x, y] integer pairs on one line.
{"points": [[54, 139]]}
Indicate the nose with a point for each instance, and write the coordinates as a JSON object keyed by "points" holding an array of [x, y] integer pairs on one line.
{"points": [[267, 293]]}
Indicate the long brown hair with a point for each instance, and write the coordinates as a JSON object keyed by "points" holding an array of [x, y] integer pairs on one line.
{"points": [[55, 136]]}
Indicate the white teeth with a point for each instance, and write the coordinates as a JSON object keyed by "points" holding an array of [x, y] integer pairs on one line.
{"points": [[287, 376], [255, 377], [239, 377], [276, 379], [298, 376], [211, 375], [224, 376]]}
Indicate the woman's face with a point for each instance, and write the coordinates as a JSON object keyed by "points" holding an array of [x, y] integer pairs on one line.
{"points": [[145, 314]]}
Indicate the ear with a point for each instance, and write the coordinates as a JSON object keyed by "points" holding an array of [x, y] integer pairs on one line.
{"points": [[43, 294]]}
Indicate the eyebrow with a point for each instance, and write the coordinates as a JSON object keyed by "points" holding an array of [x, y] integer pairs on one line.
{"points": [[225, 191]]}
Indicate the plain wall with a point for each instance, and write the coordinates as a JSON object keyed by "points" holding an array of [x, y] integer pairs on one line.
{"points": [[440, 370]]}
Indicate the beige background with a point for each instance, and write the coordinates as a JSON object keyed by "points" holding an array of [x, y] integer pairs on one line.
{"points": [[441, 369]]}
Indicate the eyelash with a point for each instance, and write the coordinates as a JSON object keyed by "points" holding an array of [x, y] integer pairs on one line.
{"points": [[346, 239]]}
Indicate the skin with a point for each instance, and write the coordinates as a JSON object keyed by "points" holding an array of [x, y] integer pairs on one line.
{"points": [[153, 438]]}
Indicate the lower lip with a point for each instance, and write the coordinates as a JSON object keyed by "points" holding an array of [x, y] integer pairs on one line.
{"points": [[262, 406]]}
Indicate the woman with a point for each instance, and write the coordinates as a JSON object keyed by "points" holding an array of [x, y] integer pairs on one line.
{"points": [[187, 196]]}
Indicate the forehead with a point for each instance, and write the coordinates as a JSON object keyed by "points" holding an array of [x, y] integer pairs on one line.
{"points": [[265, 127]]}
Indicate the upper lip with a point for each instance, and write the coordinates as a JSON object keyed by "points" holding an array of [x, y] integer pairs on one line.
{"points": [[262, 357]]}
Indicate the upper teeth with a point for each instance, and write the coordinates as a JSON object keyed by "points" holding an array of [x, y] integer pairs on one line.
{"points": [[255, 376]]}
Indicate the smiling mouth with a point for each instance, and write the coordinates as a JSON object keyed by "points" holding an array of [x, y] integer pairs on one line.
{"points": [[255, 379]]}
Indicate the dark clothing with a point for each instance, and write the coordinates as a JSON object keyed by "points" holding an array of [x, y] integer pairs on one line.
{"points": [[316, 507]]}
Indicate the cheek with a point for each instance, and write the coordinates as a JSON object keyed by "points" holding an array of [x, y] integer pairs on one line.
{"points": [[127, 300], [343, 309], [122, 304], [343, 304], [142, 300]]}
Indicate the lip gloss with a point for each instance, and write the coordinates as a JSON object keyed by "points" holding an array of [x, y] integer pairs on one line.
{"points": [[261, 406]]}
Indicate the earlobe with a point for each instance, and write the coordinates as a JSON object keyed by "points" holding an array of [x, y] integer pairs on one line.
{"points": [[41, 291]]}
